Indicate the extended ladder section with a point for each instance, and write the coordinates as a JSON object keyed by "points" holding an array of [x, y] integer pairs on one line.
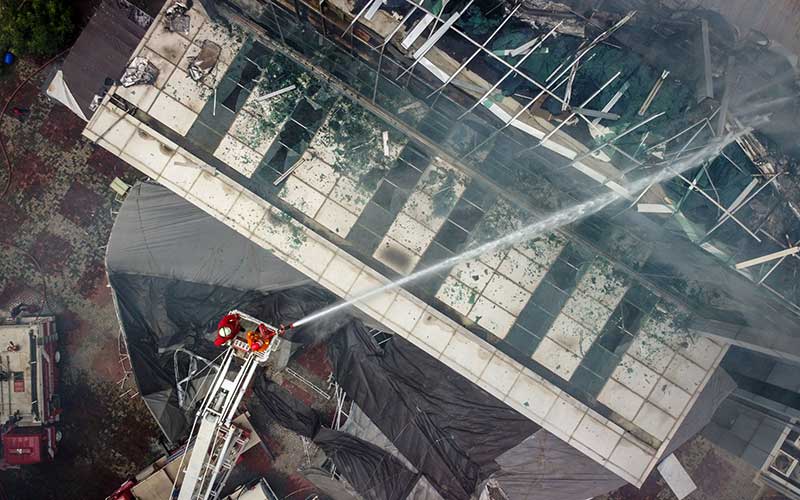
{"points": [[218, 442]]}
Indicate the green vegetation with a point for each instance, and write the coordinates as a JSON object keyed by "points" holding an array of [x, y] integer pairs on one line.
{"points": [[35, 27], [355, 137], [279, 73], [281, 218], [476, 22]]}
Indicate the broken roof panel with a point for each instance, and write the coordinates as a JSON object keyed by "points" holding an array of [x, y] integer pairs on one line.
{"points": [[102, 50]]}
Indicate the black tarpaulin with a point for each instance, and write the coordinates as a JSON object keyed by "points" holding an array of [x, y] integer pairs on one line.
{"points": [[359, 425], [543, 467], [718, 387], [273, 402], [174, 270], [374, 473], [370, 470], [157, 233], [449, 428]]}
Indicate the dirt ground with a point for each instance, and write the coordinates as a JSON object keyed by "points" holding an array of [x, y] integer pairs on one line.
{"points": [[54, 222], [717, 474]]}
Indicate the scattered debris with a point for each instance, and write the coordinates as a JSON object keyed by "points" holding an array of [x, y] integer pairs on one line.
{"points": [[176, 18], [654, 208], [594, 113], [546, 14], [289, 171], [139, 72], [373, 9], [203, 63], [409, 107], [276, 93], [653, 93], [96, 101], [766, 258]]}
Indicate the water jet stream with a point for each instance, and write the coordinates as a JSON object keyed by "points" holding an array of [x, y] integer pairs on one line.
{"points": [[549, 223]]}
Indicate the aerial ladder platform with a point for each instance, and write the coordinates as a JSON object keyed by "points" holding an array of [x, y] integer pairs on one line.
{"points": [[218, 442]]}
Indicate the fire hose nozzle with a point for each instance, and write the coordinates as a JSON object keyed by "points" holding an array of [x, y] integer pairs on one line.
{"points": [[282, 329]]}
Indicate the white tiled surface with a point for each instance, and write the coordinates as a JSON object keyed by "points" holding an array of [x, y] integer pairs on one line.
{"points": [[186, 91], [580, 321], [620, 399], [111, 129], [501, 372], [238, 156], [172, 113], [175, 100], [565, 415], [685, 374], [343, 198], [491, 316], [594, 434], [557, 359], [654, 421], [493, 290], [416, 225], [635, 376], [434, 332]]}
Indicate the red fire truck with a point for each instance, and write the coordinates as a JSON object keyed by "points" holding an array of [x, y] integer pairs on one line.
{"points": [[29, 402]]}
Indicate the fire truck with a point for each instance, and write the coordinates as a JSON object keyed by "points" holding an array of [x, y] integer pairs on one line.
{"points": [[29, 401]]}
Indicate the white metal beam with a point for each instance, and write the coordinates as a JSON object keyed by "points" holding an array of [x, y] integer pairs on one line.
{"points": [[766, 258]]}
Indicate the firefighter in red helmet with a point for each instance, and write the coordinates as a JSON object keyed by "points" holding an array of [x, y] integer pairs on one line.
{"points": [[229, 326]]}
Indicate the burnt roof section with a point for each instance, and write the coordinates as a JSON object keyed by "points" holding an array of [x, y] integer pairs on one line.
{"points": [[103, 49]]}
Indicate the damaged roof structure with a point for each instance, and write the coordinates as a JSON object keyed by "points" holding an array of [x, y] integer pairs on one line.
{"points": [[362, 141], [99, 55]]}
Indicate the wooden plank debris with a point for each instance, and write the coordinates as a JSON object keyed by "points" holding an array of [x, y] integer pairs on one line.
{"points": [[653, 93], [415, 32], [705, 83], [653, 208], [614, 100], [676, 477], [275, 93], [594, 113], [373, 9], [768, 257]]}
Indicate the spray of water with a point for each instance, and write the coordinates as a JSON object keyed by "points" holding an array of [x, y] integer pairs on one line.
{"points": [[548, 224]]}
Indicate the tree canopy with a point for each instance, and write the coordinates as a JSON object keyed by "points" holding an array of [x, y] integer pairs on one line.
{"points": [[35, 27]]}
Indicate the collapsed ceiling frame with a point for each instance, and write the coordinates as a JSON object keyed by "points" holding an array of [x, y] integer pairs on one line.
{"points": [[560, 76], [770, 260]]}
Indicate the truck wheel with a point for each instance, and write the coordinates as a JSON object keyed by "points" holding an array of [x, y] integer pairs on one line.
{"points": [[58, 436]]}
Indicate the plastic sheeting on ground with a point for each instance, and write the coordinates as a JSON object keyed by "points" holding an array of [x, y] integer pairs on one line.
{"points": [[273, 402], [374, 473], [174, 270], [58, 90], [358, 424], [449, 428], [543, 467]]}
